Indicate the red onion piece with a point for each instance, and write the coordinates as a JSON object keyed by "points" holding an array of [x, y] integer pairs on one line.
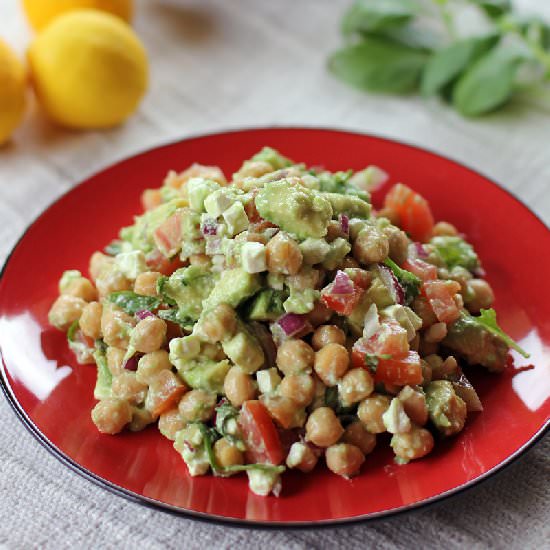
{"points": [[342, 284], [344, 223], [393, 285], [420, 250], [131, 364], [143, 314], [292, 323]]}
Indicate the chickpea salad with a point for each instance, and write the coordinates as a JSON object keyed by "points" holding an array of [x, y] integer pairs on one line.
{"points": [[274, 320]]}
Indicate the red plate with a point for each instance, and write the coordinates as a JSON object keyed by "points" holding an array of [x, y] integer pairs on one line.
{"points": [[53, 395]]}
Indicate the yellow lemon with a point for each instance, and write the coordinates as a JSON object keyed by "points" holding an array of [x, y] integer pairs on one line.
{"points": [[12, 91], [89, 69], [41, 12]]}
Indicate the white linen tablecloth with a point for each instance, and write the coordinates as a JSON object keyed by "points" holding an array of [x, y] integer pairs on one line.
{"points": [[219, 65]]}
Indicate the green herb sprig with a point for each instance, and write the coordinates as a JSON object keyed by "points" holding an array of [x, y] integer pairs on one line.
{"points": [[406, 46]]}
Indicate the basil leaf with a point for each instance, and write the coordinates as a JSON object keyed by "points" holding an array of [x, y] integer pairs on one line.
{"points": [[494, 8], [488, 319], [373, 15], [131, 302], [415, 34], [447, 64], [489, 83], [378, 65]]}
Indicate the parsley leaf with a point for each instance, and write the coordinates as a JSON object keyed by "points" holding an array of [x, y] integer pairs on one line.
{"points": [[488, 319], [132, 302]]}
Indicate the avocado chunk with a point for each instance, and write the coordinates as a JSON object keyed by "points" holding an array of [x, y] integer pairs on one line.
{"points": [[476, 344], [294, 208], [267, 305], [206, 375], [273, 157], [350, 205], [187, 287], [455, 251], [104, 380], [244, 350], [447, 411], [233, 288]]}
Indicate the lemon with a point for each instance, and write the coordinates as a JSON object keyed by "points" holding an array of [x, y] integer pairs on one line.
{"points": [[12, 91], [89, 69], [41, 12]]}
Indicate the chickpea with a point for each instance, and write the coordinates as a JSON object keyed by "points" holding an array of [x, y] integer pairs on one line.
{"points": [[427, 348], [298, 387], [170, 423], [414, 444], [81, 288], [414, 404], [319, 315], [116, 326], [479, 296], [127, 387], [65, 311], [238, 386], [391, 215], [112, 280], [200, 260], [146, 283], [141, 418], [323, 427], [252, 169], [414, 344], [327, 334], [111, 415], [426, 372], [371, 246], [90, 320], [349, 262], [197, 406], [150, 364], [435, 333], [370, 412], [295, 356], [150, 199], [331, 363], [115, 360], [302, 457], [442, 368], [227, 454], [283, 255], [148, 335], [444, 229], [218, 324], [423, 309], [98, 262], [334, 230], [284, 411], [165, 390], [355, 386], [399, 243], [358, 435], [344, 459]]}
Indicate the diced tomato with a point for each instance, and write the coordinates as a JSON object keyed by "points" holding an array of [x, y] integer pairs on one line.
{"points": [[422, 269], [390, 340], [150, 198], [413, 210], [343, 304], [260, 434], [156, 261], [166, 392], [168, 235], [440, 294], [401, 372]]}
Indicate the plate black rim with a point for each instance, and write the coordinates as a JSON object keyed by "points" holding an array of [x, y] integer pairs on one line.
{"points": [[235, 522]]}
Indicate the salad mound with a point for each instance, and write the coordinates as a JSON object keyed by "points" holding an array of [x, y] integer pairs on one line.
{"points": [[270, 321]]}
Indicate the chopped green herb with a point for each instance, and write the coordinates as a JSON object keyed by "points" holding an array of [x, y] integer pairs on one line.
{"points": [[409, 281], [132, 302]]}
